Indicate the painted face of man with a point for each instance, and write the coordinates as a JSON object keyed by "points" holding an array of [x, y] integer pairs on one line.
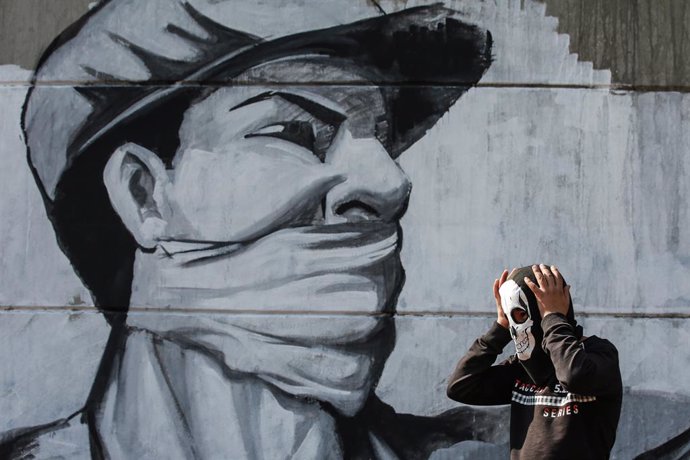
{"points": [[279, 198], [295, 176], [256, 159]]}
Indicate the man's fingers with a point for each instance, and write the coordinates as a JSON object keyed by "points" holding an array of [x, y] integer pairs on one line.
{"points": [[558, 278], [533, 287], [548, 276], [498, 283], [504, 277], [539, 275]]}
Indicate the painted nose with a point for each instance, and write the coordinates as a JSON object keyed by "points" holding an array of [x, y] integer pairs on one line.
{"points": [[374, 185]]}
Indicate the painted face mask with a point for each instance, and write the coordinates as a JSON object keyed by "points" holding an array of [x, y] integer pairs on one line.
{"points": [[316, 269]]}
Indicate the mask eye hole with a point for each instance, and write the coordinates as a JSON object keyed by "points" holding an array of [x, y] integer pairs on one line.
{"points": [[519, 315]]}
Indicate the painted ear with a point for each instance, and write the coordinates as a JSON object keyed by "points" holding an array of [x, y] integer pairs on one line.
{"points": [[136, 180]]}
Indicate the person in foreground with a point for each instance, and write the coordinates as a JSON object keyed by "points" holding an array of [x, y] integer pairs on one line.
{"points": [[565, 390]]}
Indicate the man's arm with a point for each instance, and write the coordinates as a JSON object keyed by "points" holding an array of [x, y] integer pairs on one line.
{"points": [[475, 380], [581, 370], [592, 371]]}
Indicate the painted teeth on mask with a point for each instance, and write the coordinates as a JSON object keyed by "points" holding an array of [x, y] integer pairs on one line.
{"points": [[522, 345]]}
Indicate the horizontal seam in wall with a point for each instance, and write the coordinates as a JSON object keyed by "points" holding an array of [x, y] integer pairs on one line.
{"points": [[614, 87], [283, 312]]}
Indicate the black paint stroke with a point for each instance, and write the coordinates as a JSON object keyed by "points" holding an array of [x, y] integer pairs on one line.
{"points": [[677, 448]]}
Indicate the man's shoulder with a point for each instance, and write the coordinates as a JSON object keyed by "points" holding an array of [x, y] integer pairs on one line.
{"points": [[594, 342], [64, 438]]}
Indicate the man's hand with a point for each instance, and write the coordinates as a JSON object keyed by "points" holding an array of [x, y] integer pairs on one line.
{"points": [[551, 293], [501, 317]]}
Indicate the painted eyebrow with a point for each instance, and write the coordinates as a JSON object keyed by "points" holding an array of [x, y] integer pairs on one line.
{"points": [[313, 108]]}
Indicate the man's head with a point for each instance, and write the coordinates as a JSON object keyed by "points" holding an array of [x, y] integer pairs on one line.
{"points": [[133, 164], [520, 306]]}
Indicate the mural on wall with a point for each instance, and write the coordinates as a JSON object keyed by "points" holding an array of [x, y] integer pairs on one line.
{"points": [[231, 180], [243, 194]]}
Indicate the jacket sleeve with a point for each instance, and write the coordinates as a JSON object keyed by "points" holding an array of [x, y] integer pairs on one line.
{"points": [[582, 369], [475, 380]]}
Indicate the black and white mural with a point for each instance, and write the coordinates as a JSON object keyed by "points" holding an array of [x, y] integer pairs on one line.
{"points": [[220, 195]]}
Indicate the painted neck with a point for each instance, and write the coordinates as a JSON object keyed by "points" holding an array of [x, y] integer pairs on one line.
{"points": [[166, 401]]}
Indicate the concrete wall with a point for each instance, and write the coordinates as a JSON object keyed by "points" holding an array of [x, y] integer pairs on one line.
{"points": [[572, 149]]}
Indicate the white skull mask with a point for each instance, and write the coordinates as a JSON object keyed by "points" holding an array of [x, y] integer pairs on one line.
{"points": [[515, 306]]}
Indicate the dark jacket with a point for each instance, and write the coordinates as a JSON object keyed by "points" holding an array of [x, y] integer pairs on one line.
{"points": [[574, 415]]}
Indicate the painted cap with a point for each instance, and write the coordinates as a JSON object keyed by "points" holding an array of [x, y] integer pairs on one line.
{"points": [[127, 57]]}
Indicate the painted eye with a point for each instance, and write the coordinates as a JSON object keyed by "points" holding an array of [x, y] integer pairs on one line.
{"points": [[314, 135], [519, 315], [298, 132]]}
